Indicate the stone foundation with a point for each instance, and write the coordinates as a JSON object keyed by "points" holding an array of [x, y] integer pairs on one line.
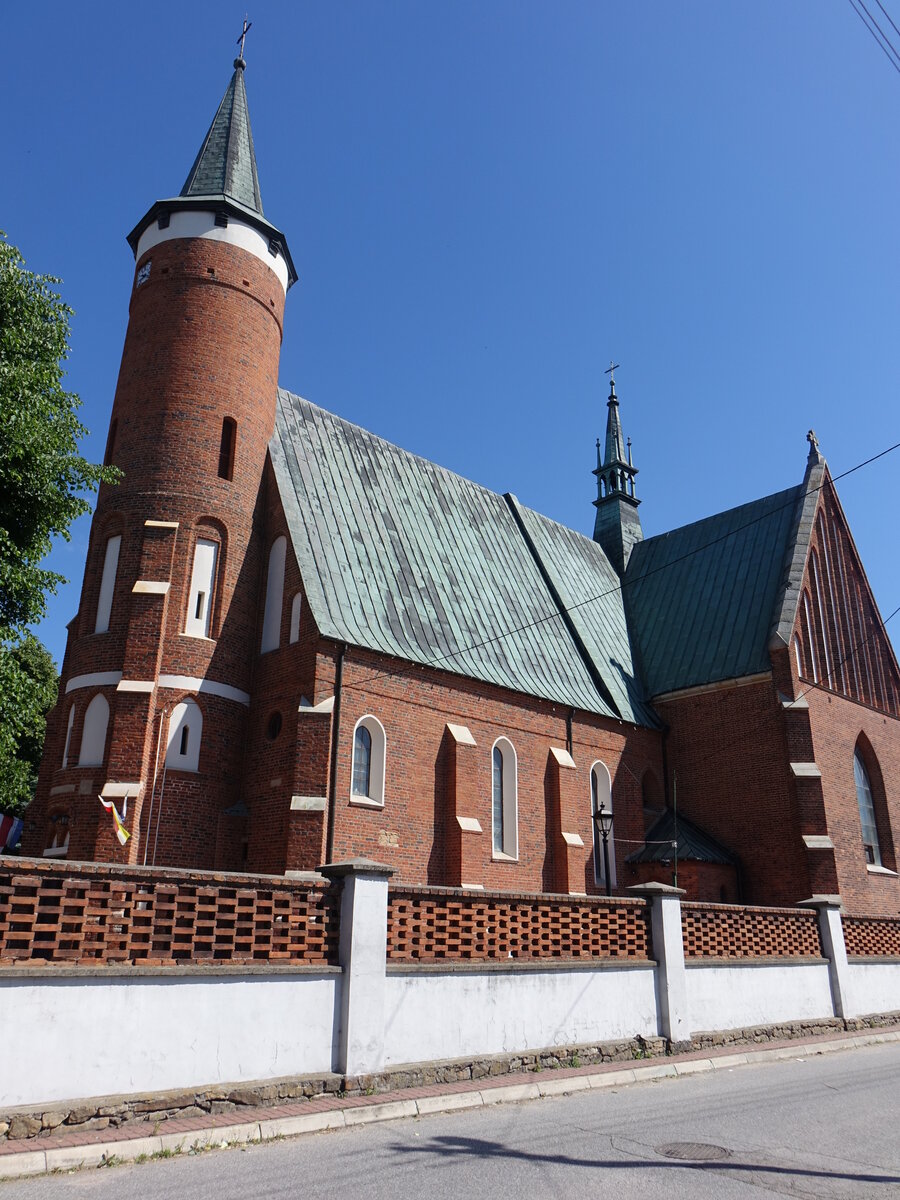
{"points": [[115, 1111]]}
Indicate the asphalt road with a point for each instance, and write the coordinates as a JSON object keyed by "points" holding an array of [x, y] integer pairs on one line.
{"points": [[823, 1127]]}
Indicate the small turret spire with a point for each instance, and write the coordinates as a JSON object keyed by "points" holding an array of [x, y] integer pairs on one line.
{"points": [[617, 525]]}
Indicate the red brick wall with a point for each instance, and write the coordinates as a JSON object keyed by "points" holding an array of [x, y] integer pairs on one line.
{"points": [[203, 343], [837, 725], [414, 705], [728, 749], [715, 882]]}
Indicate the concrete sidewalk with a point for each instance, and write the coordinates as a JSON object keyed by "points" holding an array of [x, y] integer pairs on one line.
{"points": [[138, 1139]]}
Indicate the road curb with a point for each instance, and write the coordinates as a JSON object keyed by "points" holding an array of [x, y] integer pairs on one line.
{"points": [[98, 1153]]}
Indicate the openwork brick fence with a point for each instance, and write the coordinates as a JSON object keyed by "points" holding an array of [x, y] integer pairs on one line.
{"points": [[95, 914], [725, 931], [872, 936], [434, 924]]}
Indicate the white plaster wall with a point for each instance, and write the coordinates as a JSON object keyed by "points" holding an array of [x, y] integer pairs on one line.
{"points": [[81, 1037], [728, 997], [874, 988], [195, 223], [458, 1014]]}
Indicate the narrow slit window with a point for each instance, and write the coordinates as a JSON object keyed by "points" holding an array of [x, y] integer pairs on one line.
{"points": [[107, 584], [184, 740], [226, 448], [202, 579]]}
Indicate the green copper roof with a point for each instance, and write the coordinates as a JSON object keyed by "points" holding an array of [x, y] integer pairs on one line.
{"points": [[702, 600], [403, 557], [226, 163]]}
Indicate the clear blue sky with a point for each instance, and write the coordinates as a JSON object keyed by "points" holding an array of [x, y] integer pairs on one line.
{"points": [[485, 203]]}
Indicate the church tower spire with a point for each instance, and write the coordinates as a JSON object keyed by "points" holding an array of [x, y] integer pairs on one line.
{"points": [[158, 674], [617, 525]]}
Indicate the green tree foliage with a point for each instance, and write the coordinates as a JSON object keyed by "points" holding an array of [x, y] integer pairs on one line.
{"points": [[28, 683], [43, 486]]}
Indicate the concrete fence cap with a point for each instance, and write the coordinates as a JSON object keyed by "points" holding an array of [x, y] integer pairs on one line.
{"points": [[356, 866], [821, 902], [655, 889]]}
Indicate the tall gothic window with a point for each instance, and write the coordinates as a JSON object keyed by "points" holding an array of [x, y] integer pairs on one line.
{"points": [[866, 811], [504, 800]]}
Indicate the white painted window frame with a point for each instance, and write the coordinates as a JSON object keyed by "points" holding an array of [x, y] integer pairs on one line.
{"points": [[602, 794], [509, 850], [377, 763], [203, 582]]}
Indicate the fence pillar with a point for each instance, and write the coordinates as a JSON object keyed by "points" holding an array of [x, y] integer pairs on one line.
{"points": [[668, 950], [363, 957], [831, 934]]}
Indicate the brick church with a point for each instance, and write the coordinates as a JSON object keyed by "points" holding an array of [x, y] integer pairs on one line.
{"points": [[298, 643]]}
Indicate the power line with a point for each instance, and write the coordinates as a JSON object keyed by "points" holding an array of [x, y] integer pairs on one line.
{"points": [[877, 32], [561, 612]]}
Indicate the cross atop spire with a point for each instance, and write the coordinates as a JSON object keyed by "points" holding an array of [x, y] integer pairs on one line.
{"points": [[239, 61], [617, 526]]}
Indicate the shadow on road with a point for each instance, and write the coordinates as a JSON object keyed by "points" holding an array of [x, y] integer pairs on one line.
{"points": [[478, 1148]]}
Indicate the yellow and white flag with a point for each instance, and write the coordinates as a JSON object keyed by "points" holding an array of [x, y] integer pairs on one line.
{"points": [[121, 832]]}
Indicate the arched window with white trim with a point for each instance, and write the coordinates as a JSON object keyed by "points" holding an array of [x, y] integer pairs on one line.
{"points": [[185, 733], [504, 800], [601, 797], [271, 633], [93, 733], [367, 769], [69, 725]]}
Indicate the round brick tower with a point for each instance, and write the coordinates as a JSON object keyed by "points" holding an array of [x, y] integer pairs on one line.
{"points": [[156, 680]]}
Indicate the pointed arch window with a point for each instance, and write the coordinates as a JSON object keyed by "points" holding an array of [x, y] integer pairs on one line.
{"points": [[871, 844], [601, 795], [93, 733], [185, 734], [367, 769], [504, 800]]}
